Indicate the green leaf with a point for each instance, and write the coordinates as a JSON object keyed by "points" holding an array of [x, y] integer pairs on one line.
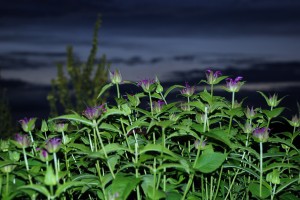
{"points": [[39, 188], [172, 88], [104, 88], [113, 160], [158, 148], [217, 134], [273, 113], [254, 189], [276, 165], [286, 184], [63, 188], [122, 186], [209, 161], [75, 117], [282, 141], [249, 171], [109, 127]]}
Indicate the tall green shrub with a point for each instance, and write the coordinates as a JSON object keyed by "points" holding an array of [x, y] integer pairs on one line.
{"points": [[82, 84]]}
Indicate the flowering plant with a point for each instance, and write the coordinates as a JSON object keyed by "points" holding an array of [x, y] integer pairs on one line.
{"points": [[201, 146]]}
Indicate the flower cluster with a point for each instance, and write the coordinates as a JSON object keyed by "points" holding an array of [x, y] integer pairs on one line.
{"points": [[115, 77], [23, 141]]}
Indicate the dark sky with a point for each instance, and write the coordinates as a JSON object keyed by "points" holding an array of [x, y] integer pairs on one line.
{"points": [[174, 39]]}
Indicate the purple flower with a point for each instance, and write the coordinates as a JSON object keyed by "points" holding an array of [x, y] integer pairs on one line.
{"points": [[234, 85], [261, 134], [27, 124], [212, 76], [53, 145], [115, 77], [157, 106], [23, 141], [146, 84], [44, 156], [94, 112], [188, 90]]}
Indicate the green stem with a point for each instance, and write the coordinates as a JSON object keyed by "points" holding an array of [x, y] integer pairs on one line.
{"points": [[100, 179], [188, 99], [154, 177], [26, 164], [104, 151], [191, 178], [125, 134], [231, 184], [150, 100], [218, 184], [211, 90], [56, 167], [7, 184], [232, 100], [261, 168], [118, 91]]}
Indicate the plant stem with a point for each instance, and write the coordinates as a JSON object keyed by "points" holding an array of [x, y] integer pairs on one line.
{"points": [[104, 151], [7, 184], [232, 100], [191, 178], [150, 100], [218, 184], [231, 184], [118, 90], [26, 164], [100, 179], [261, 167], [56, 167]]}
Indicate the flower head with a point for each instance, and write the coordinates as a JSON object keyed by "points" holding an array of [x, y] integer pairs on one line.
{"points": [[188, 90], [212, 76], [61, 127], [234, 85], [44, 156], [94, 112], [157, 106], [273, 100], [250, 112], [53, 145], [261, 134], [115, 77], [146, 84], [295, 122], [27, 124], [201, 146], [23, 141]]}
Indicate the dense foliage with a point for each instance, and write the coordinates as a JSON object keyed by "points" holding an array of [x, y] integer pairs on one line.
{"points": [[206, 147]]}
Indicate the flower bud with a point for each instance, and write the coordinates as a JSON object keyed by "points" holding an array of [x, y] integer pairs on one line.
{"points": [[14, 156], [247, 128], [4, 145], [53, 145], [273, 177], [61, 127], [115, 77], [50, 178], [8, 168], [22, 141], [201, 146], [27, 124]]}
